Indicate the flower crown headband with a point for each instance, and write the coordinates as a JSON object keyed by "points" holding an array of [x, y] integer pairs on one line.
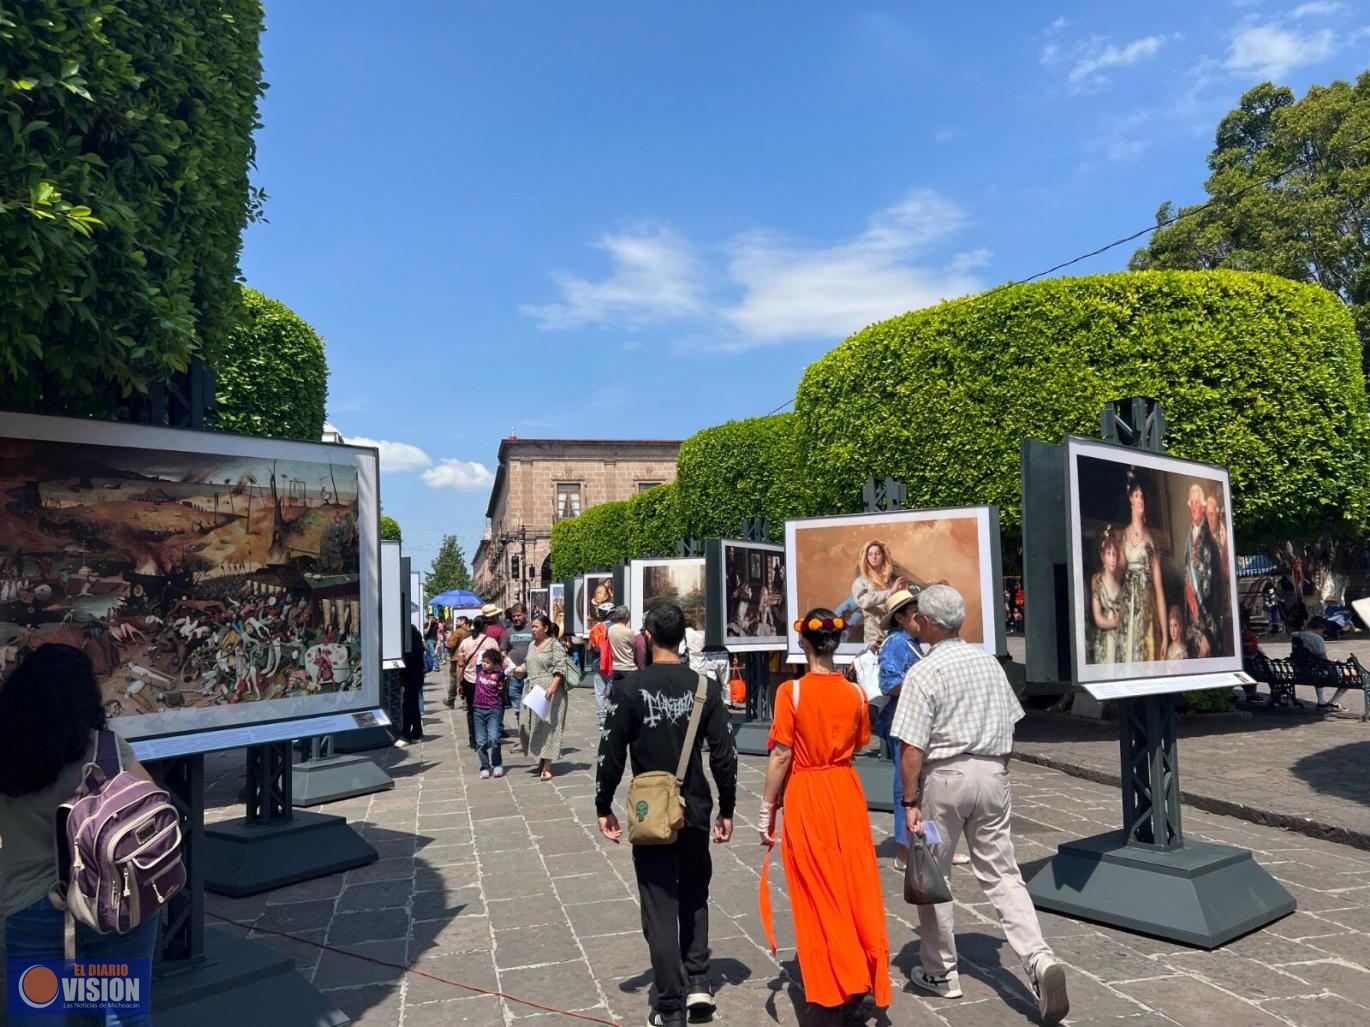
{"points": [[820, 624]]}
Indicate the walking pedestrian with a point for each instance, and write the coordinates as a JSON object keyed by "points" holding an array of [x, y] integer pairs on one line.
{"points": [[649, 715], [487, 702], [545, 668], [430, 637], [517, 638], [622, 659], [411, 677], [469, 655], [830, 867], [955, 717], [898, 653]]}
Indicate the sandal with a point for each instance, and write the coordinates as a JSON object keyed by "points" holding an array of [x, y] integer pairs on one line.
{"points": [[546, 775]]}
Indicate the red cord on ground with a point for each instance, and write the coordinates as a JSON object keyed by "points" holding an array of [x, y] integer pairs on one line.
{"points": [[417, 973]]}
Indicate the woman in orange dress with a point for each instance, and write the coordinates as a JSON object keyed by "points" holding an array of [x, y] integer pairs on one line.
{"points": [[820, 721]]}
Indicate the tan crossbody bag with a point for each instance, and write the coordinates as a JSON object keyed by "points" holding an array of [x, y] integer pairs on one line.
{"points": [[656, 808]]}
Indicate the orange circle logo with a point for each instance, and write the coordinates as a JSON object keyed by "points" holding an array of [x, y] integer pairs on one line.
{"points": [[38, 987]]}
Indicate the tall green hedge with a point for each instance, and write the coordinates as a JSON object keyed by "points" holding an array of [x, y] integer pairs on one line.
{"points": [[143, 111], [1255, 372], [272, 375], [653, 522], [743, 469]]}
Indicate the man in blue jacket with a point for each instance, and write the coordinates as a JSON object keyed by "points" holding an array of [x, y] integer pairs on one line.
{"points": [[898, 652]]}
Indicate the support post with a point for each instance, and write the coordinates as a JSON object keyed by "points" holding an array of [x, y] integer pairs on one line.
{"points": [[273, 845], [1146, 878], [207, 978]]}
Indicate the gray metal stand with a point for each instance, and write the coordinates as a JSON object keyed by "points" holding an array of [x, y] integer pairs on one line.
{"points": [[209, 978], [365, 739], [323, 776], [752, 735], [877, 781], [273, 846], [1146, 877]]}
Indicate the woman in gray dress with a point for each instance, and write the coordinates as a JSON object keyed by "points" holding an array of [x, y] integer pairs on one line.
{"points": [[546, 668]]}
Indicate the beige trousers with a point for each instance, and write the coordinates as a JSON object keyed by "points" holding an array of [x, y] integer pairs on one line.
{"points": [[970, 795]]}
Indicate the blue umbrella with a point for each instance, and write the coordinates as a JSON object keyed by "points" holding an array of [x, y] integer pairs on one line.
{"points": [[458, 598]]}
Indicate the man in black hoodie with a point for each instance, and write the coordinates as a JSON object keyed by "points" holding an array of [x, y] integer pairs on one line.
{"points": [[648, 716]]}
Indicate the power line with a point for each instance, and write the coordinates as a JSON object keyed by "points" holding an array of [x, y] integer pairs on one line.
{"points": [[1166, 223]]}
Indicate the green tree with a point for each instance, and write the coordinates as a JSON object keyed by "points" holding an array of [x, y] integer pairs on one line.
{"points": [[125, 146], [1311, 223], [449, 569], [272, 378], [390, 529]]}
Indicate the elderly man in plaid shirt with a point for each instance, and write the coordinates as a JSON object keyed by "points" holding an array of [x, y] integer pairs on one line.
{"points": [[955, 717]]}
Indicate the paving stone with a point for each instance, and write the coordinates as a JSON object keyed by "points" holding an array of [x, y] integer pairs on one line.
{"points": [[610, 916], [375, 895], [373, 925], [474, 969], [529, 946], [561, 985], [1196, 1004], [462, 934], [339, 970], [1321, 1011]]}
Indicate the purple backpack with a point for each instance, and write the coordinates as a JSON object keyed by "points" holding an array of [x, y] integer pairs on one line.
{"points": [[118, 849]]}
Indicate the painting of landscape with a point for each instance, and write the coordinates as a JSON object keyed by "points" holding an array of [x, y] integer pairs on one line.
{"points": [[192, 580]]}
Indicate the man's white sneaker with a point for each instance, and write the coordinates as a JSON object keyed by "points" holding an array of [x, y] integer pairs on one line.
{"points": [[699, 1000], [946, 986], [1050, 984], [960, 860]]}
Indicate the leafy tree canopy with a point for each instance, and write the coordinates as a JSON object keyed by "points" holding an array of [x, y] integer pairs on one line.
{"points": [[390, 530], [449, 570], [272, 375], [131, 123], [1312, 223]]}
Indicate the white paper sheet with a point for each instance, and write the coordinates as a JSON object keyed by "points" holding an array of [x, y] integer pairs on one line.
{"points": [[537, 701]]}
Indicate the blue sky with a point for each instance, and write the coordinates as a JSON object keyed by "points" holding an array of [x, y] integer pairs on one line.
{"points": [[637, 220]]}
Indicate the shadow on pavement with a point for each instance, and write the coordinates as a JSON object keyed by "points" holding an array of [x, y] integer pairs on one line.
{"points": [[1338, 771]]}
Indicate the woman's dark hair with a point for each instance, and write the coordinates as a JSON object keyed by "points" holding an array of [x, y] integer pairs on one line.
{"points": [[478, 626], [48, 709], [825, 640]]}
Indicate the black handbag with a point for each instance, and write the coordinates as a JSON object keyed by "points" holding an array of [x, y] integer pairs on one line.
{"points": [[924, 884]]}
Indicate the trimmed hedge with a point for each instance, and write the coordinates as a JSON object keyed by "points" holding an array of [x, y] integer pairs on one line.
{"points": [[744, 469], [272, 376], [142, 111], [1255, 372], [653, 522]]}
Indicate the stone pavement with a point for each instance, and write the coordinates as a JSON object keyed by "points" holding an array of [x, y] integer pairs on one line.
{"points": [[507, 885], [1286, 768]]}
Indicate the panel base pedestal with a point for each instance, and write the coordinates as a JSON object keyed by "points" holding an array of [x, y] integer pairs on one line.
{"points": [[336, 777], [752, 737], [364, 739], [877, 781], [1201, 895], [237, 980], [242, 858]]}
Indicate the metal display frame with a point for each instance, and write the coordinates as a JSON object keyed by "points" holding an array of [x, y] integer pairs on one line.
{"points": [[1146, 877], [716, 597]]}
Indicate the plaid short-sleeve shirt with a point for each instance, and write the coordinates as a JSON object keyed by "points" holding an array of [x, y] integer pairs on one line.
{"points": [[957, 700]]}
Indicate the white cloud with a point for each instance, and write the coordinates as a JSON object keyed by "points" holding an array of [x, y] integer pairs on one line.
{"points": [[793, 292], [1097, 55], [395, 456], [771, 288], [654, 277], [1057, 25], [1123, 139], [1317, 9], [1269, 51], [465, 475]]}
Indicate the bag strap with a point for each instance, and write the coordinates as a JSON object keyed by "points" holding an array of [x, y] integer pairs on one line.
{"points": [[696, 714]]}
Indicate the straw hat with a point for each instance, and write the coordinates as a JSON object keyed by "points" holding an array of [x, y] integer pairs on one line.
{"points": [[490, 610], [894, 604]]}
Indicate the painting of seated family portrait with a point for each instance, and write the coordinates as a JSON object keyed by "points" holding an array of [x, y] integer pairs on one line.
{"points": [[1153, 559]]}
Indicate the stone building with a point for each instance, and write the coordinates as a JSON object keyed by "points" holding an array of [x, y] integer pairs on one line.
{"points": [[541, 481]]}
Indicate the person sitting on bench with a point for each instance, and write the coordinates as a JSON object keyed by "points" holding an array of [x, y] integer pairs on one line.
{"points": [[1313, 642]]}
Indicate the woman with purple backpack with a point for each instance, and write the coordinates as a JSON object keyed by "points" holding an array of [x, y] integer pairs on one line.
{"points": [[50, 718]]}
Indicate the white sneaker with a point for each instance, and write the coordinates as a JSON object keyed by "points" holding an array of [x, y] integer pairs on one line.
{"points": [[960, 860], [401, 743], [498, 772], [946, 986], [485, 775], [900, 865], [1049, 982], [699, 1000]]}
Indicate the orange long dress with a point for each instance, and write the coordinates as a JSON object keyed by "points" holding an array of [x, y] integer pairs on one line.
{"points": [[825, 841]]}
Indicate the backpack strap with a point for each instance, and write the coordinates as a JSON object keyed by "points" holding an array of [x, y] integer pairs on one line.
{"points": [[696, 714], [107, 755], [794, 693]]}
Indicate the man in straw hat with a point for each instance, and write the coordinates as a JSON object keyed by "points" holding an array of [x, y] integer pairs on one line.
{"points": [[494, 622], [898, 653], [955, 717]]}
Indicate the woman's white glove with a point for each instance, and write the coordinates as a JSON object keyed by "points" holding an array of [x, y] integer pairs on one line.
{"points": [[765, 823]]}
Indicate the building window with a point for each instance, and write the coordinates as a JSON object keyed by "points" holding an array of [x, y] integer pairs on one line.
{"points": [[643, 486], [568, 501]]}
